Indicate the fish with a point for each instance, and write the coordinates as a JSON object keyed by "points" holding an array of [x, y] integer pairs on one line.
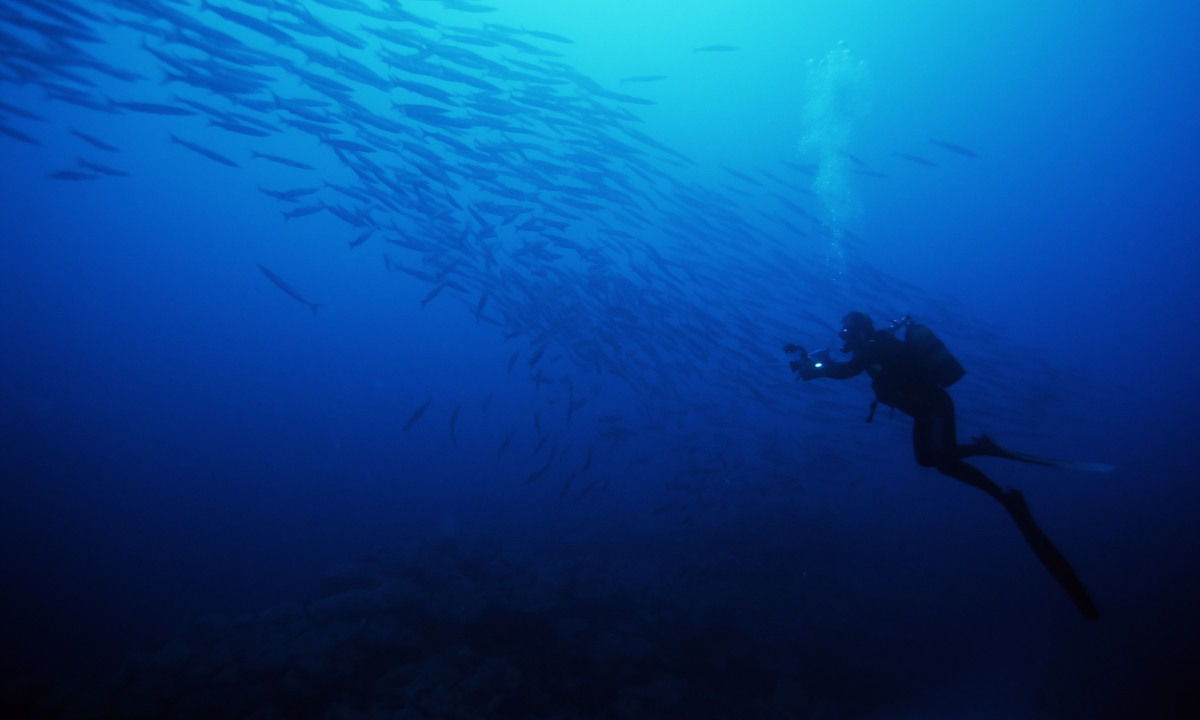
{"points": [[428, 91], [20, 112], [432, 294], [303, 210], [18, 135], [62, 34], [282, 285], [94, 141], [313, 24], [466, 6], [573, 405], [349, 145], [150, 108], [586, 489], [959, 149], [74, 97], [540, 471], [350, 218], [102, 169], [288, 195], [567, 485], [416, 414], [550, 36], [505, 443], [201, 150], [917, 159], [239, 128], [72, 175], [621, 97], [418, 274], [453, 422], [857, 161], [741, 176], [803, 168], [251, 23], [537, 355]]}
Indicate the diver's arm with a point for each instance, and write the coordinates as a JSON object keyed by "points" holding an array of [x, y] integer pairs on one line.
{"points": [[819, 364], [823, 366]]}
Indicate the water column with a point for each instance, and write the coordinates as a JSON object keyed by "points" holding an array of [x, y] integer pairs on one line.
{"points": [[836, 98]]}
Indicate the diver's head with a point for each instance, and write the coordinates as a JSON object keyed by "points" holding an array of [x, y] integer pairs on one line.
{"points": [[857, 329]]}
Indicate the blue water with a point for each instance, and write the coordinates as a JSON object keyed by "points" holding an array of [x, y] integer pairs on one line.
{"points": [[544, 385]]}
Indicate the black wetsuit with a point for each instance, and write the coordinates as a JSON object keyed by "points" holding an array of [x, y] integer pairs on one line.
{"points": [[900, 381]]}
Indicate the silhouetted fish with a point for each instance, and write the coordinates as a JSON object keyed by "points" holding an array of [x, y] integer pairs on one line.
{"points": [[857, 161], [540, 471], [303, 210], [959, 149], [96, 167], [917, 159], [453, 423], [18, 135], [288, 195], [279, 283], [251, 23], [20, 112], [550, 36], [93, 141], [505, 443], [201, 150], [72, 175], [150, 108], [362, 237], [416, 414]]}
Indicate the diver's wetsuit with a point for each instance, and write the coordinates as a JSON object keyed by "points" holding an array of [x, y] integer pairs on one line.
{"points": [[900, 383]]}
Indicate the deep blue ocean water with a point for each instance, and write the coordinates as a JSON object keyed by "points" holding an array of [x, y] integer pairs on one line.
{"points": [[538, 451]]}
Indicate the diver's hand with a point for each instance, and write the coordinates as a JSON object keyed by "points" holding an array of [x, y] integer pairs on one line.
{"points": [[805, 369], [798, 366], [812, 366]]}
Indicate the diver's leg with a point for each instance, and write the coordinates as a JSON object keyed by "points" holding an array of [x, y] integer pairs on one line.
{"points": [[1050, 556], [984, 445], [942, 408], [925, 446], [974, 477], [935, 438]]}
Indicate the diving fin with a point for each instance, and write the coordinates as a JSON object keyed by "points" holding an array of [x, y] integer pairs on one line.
{"points": [[987, 446], [1064, 464]]}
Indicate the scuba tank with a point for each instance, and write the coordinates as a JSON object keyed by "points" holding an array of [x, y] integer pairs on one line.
{"points": [[929, 353]]}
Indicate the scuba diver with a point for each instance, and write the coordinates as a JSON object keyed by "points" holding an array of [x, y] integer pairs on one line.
{"points": [[911, 375]]}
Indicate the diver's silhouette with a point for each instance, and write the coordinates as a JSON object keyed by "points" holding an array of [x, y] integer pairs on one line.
{"points": [[910, 375]]}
